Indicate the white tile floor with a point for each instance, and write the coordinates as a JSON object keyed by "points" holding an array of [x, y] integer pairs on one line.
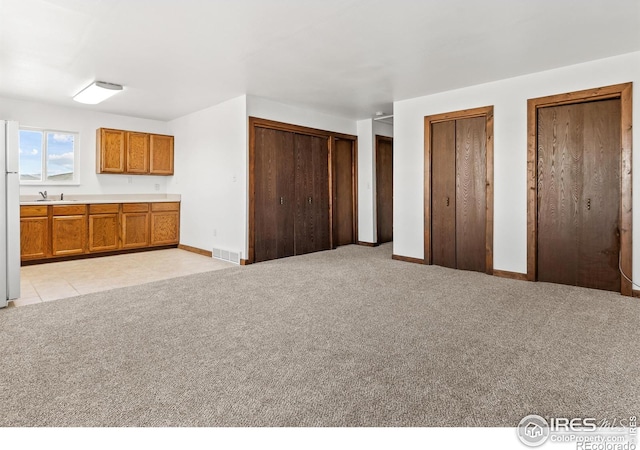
{"points": [[54, 281]]}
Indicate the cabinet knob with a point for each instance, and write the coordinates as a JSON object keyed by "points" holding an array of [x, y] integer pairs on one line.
{"points": [[310, 200]]}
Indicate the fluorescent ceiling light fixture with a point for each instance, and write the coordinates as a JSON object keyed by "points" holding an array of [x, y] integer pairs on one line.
{"points": [[97, 92]]}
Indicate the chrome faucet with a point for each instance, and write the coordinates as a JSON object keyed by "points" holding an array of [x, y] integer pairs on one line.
{"points": [[44, 195]]}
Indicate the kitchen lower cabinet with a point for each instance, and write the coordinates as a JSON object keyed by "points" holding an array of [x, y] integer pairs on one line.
{"points": [[165, 223], [104, 224], [68, 230], [135, 225], [34, 232], [49, 232]]}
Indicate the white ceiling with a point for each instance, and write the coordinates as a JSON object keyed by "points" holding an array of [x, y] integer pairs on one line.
{"points": [[345, 57]]}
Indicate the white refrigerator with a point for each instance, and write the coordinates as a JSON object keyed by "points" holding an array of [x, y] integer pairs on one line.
{"points": [[10, 211]]}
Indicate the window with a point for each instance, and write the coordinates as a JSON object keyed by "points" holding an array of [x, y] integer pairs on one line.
{"points": [[48, 156]]}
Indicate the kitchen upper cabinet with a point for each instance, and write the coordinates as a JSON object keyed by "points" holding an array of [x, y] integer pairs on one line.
{"points": [[133, 153], [137, 152], [165, 223], [104, 225], [34, 232], [161, 154], [68, 230], [111, 150]]}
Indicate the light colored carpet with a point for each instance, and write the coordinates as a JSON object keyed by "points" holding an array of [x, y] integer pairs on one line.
{"points": [[341, 338]]}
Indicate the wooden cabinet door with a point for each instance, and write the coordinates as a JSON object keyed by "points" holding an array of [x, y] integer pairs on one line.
{"points": [[579, 194], [137, 152], [443, 194], [312, 227], [384, 189], [111, 150], [274, 194], [471, 186], [161, 154], [165, 223], [135, 225], [104, 232], [135, 230], [343, 193], [69, 235], [34, 238]]}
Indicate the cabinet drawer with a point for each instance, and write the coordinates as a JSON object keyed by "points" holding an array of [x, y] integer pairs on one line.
{"points": [[165, 206], [69, 210], [135, 207], [33, 211], [106, 208]]}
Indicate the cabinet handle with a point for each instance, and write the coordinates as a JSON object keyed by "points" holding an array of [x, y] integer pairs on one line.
{"points": [[447, 201], [310, 200], [588, 204], [282, 200]]}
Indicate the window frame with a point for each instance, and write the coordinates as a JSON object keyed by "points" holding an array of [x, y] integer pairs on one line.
{"points": [[44, 158]]}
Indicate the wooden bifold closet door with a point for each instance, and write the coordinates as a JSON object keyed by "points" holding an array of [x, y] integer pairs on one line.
{"points": [[458, 193], [291, 194], [311, 228], [579, 194]]}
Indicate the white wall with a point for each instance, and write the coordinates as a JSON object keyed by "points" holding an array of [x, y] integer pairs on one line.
{"points": [[367, 131], [280, 112], [509, 98], [86, 122], [211, 175]]}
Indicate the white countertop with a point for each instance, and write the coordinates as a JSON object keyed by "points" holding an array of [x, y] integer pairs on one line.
{"points": [[99, 198]]}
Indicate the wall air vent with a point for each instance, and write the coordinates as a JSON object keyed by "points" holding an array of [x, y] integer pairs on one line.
{"points": [[226, 255]]}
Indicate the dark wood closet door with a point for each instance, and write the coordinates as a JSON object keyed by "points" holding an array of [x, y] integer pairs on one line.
{"points": [[312, 194], [384, 188], [599, 235], [559, 176], [285, 204], [443, 194], [579, 194], [471, 202], [266, 223], [274, 194], [343, 213], [321, 233]]}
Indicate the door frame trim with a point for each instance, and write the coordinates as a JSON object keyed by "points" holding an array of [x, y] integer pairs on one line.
{"points": [[624, 93], [487, 113], [256, 122], [378, 138]]}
